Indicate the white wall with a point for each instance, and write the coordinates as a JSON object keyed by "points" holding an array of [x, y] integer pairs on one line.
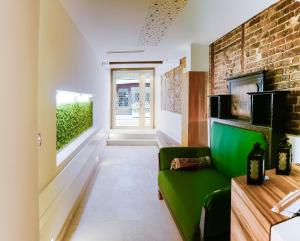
{"points": [[166, 121], [197, 57], [170, 124], [104, 98], [66, 62], [18, 124], [295, 141]]}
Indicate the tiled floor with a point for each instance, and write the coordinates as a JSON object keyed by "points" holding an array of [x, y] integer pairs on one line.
{"points": [[123, 205]]}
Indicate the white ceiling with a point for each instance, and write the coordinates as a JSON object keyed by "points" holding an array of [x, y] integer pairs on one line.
{"points": [[115, 25]]}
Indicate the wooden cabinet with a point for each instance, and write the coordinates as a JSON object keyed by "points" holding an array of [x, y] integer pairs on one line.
{"points": [[194, 109], [251, 215]]}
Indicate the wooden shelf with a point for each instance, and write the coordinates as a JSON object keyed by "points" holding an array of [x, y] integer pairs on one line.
{"points": [[267, 108], [251, 215], [220, 106]]}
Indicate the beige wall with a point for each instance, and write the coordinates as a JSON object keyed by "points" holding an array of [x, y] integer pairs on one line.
{"points": [[18, 124], [66, 62], [197, 56]]}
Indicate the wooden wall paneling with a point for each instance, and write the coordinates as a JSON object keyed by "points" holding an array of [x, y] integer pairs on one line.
{"points": [[185, 107], [194, 110], [198, 109]]}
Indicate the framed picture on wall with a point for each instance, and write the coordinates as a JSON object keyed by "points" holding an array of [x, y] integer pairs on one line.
{"points": [[238, 87]]}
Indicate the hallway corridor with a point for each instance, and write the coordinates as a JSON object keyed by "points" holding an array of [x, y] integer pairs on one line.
{"points": [[122, 204]]}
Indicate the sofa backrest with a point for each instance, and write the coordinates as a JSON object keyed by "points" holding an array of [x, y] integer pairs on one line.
{"points": [[230, 147]]}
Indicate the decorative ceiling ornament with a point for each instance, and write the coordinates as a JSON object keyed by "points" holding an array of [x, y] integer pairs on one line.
{"points": [[161, 14]]}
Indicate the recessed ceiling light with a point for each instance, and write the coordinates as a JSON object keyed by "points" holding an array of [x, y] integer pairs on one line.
{"points": [[125, 51]]}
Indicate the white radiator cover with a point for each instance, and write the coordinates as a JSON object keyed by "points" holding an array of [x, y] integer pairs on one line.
{"points": [[58, 198]]}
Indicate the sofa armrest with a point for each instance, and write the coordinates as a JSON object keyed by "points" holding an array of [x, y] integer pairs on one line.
{"points": [[215, 216], [167, 154]]}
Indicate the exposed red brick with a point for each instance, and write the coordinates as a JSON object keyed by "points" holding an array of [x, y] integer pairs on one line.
{"points": [[295, 124], [283, 4], [254, 21], [269, 41], [277, 29], [285, 18], [297, 108], [294, 116], [295, 75]]}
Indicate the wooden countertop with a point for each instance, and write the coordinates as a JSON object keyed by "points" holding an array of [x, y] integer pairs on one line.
{"points": [[251, 205]]}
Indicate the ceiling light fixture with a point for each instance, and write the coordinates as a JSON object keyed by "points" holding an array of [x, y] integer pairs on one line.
{"points": [[161, 14], [125, 51]]}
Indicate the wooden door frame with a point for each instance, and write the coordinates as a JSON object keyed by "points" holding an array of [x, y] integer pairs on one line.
{"points": [[112, 97]]}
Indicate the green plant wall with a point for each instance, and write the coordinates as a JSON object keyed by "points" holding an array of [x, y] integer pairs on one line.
{"points": [[72, 120]]}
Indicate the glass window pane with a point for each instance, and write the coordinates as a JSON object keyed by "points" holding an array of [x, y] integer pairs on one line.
{"points": [[132, 98]]}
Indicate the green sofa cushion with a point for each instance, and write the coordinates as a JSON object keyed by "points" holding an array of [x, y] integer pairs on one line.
{"points": [[230, 147], [184, 191]]}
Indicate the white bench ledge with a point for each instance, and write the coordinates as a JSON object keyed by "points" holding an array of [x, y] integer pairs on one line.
{"points": [[69, 151]]}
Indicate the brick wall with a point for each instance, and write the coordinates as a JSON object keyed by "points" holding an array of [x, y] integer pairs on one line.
{"points": [[171, 88], [269, 41]]}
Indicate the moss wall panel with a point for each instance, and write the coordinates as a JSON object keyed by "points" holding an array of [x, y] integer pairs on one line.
{"points": [[71, 121]]}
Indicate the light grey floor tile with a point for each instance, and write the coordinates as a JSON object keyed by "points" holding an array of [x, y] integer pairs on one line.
{"points": [[122, 204]]}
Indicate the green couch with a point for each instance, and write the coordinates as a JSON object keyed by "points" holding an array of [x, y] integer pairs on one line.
{"points": [[199, 200]]}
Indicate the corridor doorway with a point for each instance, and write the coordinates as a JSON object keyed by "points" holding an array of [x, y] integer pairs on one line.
{"points": [[132, 98]]}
